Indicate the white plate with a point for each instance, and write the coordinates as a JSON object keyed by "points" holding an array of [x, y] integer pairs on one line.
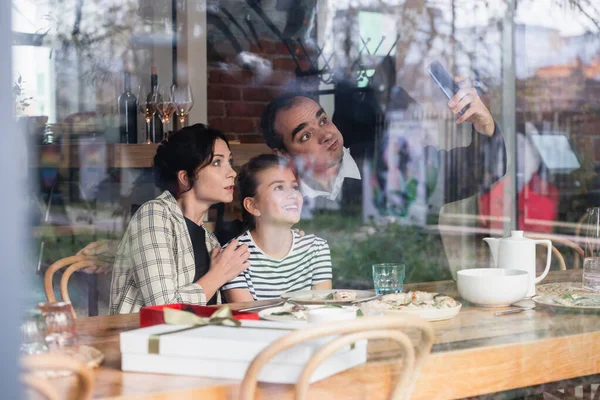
{"points": [[429, 314], [267, 314], [560, 288], [316, 296]]}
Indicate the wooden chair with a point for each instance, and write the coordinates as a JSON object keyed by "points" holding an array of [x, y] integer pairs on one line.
{"points": [[588, 392], [351, 331], [34, 364], [555, 252], [74, 263]]}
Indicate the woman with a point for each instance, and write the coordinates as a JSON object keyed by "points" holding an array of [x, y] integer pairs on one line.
{"points": [[281, 260], [164, 255]]}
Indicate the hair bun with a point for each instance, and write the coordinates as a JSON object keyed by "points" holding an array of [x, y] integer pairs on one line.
{"points": [[160, 168]]}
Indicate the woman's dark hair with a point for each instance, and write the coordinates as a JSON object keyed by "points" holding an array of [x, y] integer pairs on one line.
{"points": [[247, 180], [189, 149]]}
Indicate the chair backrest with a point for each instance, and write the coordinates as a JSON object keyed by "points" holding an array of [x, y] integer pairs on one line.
{"points": [[557, 254], [580, 224], [74, 263], [34, 364], [351, 331]]}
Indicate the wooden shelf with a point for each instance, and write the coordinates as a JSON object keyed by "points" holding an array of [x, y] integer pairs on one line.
{"points": [[133, 155], [120, 155]]}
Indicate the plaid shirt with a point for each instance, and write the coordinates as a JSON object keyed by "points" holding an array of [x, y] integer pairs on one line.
{"points": [[155, 260]]}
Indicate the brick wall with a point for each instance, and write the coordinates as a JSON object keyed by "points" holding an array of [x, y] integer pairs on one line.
{"points": [[238, 96], [573, 101]]}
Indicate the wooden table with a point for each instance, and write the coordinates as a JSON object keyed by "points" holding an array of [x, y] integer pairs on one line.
{"points": [[475, 353]]}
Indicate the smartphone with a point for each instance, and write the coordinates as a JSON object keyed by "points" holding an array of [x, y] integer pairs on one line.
{"points": [[444, 81]]}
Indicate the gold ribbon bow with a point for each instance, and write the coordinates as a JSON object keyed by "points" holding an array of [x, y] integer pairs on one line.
{"points": [[222, 316]]}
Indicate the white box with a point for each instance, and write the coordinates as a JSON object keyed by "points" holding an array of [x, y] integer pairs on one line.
{"points": [[226, 352]]}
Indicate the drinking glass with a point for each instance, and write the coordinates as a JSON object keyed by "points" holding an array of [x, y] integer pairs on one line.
{"points": [[33, 333], [147, 106], [183, 100], [165, 108], [591, 261], [388, 278], [60, 325]]}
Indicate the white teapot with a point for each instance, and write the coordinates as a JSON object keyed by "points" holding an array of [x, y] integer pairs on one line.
{"points": [[518, 252]]}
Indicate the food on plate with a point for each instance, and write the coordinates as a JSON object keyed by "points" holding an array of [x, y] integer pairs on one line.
{"points": [[576, 300], [295, 311], [344, 295], [338, 295], [417, 299]]}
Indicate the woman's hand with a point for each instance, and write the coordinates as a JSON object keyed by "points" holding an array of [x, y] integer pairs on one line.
{"points": [[225, 264], [231, 261]]}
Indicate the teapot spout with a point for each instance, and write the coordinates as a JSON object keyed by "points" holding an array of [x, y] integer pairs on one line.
{"points": [[494, 247]]}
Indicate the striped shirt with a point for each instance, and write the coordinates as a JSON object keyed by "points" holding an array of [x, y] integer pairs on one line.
{"points": [[307, 263]]}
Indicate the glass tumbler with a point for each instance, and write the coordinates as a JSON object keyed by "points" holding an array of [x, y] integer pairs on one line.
{"points": [[33, 333], [591, 261], [60, 325], [388, 278]]}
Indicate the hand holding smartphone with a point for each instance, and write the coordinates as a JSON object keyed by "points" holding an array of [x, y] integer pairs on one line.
{"points": [[444, 81]]}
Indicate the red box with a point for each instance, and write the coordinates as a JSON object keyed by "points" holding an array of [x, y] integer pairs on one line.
{"points": [[153, 315]]}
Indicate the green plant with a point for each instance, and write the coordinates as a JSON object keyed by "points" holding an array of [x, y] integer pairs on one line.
{"points": [[57, 246], [355, 247]]}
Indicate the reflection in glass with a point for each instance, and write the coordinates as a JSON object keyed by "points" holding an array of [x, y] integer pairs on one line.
{"points": [[33, 333], [60, 325], [184, 101], [147, 106], [591, 263], [165, 108]]}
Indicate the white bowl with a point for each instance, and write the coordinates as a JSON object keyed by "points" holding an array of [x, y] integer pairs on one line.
{"points": [[492, 287]]}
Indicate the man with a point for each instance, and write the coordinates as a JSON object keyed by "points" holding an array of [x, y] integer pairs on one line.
{"points": [[297, 126]]}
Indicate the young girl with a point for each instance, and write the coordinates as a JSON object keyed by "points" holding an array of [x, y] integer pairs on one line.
{"points": [[280, 260]]}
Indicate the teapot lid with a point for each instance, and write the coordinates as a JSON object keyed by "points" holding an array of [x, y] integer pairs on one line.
{"points": [[517, 235]]}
